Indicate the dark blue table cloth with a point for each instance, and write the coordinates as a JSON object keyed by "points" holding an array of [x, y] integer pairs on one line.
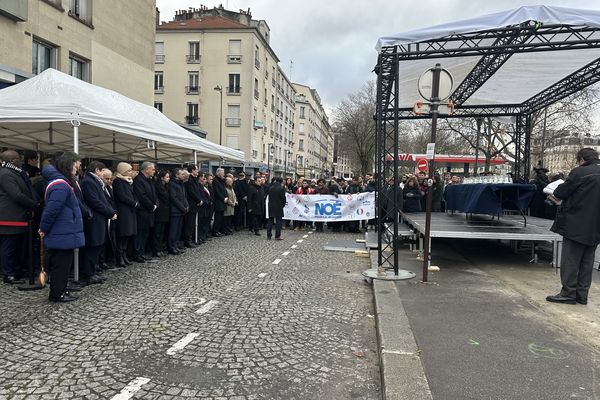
{"points": [[488, 198]]}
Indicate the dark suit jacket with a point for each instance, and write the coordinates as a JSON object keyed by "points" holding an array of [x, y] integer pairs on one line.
{"points": [[127, 204], [96, 200], [219, 193], [17, 200], [192, 190], [146, 195], [205, 210], [162, 192], [179, 204], [276, 200]]}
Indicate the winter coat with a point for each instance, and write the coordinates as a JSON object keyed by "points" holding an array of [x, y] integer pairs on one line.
{"points": [[412, 199], [301, 191], [231, 202], [127, 205], [61, 219], [178, 200], [276, 200], [205, 210], [323, 190], [145, 194], [578, 217], [162, 192], [219, 193], [436, 196], [192, 191], [241, 188], [96, 200], [256, 200], [17, 201]]}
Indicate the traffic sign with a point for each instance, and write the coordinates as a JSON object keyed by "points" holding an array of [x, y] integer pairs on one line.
{"points": [[425, 85], [422, 165]]}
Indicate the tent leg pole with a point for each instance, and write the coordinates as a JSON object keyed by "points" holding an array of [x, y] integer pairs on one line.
{"points": [[76, 139], [76, 265]]}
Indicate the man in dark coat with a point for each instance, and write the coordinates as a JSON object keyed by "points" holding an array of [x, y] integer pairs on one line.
{"points": [[276, 200], [17, 202], [179, 207], [205, 210], [240, 187], [578, 221], [220, 201], [192, 191], [256, 204], [94, 194], [145, 192]]}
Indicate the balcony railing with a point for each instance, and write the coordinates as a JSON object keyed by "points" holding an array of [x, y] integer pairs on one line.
{"points": [[256, 94], [257, 63], [234, 90], [234, 58], [159, 89], [192, 90], [191, 119], [273, 82], [272, 108], [159, 58], [193, 58], [233, 121]]}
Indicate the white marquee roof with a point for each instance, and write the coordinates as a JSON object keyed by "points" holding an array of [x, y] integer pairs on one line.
{"points": [[521, 77], [37, 114]]}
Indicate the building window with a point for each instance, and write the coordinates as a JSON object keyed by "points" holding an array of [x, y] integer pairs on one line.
{"points": [[301, 127], [235, 52], [158, 105], [80, 9], [234, 84], [256, 92], [158, 82], [159, 52], [43, 57], [193, 86], [233, 115], [302, 113], [192, 114], [79, 68], [232, 141], [256, 58], [301, 145], [194, 53]]}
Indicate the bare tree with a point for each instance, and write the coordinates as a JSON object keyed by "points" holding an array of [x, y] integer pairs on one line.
{"points": [[353, 119]]}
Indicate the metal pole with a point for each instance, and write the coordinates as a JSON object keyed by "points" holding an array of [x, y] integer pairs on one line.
{"points": [[285, 166], [476, 169], [196, 220], [75, 124], [543, 138], [75, 136], [221, 119], [435, 102]]}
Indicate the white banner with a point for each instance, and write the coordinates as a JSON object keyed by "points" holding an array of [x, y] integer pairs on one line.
{"points": [[326, 207]]}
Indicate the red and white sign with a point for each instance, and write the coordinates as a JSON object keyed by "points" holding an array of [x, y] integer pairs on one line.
{"points": [[422, 165]]}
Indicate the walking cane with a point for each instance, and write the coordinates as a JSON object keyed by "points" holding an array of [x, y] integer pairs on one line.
{"points": [[43, 276]]}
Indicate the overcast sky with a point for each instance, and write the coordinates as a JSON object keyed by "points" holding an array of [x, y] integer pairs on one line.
{"points": [[332, 42]]}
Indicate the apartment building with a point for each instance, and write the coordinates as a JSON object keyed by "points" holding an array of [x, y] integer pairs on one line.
{"points": [[341, 165], [215, 70], [315, 142], [107, 43], [560, 153]]}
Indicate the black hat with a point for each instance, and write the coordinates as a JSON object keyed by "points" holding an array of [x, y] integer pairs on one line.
{"points": [[241, 173]]}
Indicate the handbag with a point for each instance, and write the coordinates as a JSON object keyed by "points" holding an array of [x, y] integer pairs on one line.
{"points": [[43, 275]]}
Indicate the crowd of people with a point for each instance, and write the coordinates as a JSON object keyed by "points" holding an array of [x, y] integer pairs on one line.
{"points": [[119, 216]]}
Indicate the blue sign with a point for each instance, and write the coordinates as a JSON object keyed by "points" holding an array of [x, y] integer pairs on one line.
{"points": [[328, 208]]}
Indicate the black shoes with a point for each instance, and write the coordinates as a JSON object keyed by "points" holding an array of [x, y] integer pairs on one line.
{"points": [[190, 245], [278, 238], [581, 301], [174, 252], [11, 280], [257, 233], [561, 299], [65, 298], [139, 260], [268, 237], [150, 259]]}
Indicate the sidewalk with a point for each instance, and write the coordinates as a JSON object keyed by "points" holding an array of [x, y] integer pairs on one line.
{"points": [[479, 337]]}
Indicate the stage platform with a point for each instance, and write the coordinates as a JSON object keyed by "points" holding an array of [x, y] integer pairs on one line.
{"points": [[509, 227]]}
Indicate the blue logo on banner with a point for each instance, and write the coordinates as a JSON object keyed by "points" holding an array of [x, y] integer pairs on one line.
{"points": [[328, 208]]}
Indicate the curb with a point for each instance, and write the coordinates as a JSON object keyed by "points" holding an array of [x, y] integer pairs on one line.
{"points": [[402, 373]]}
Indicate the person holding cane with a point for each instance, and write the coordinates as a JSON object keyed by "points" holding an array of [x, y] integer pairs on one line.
{"points": [[61, 226]]}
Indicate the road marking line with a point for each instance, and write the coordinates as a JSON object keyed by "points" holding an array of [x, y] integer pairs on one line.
{"points": [[305, 236], [300, 241], [131, 388], [202, 301], [207, 307], [277, 261], [286, 253], [294, 247], [262, 275], [182, 343], [398, 352]]}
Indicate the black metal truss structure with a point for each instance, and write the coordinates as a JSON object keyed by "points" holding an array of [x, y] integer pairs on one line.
{"points": [[495, 47]]}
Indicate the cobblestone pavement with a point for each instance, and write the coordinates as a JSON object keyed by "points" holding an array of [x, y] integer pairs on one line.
{"points": [[209, 324]]}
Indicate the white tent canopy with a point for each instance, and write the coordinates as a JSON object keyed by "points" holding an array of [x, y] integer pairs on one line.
{"points": [[38, 113], [521, 77]]}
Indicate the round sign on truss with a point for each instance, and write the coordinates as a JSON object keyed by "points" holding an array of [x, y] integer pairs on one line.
{"points": [[425, 84], [422, 165]]}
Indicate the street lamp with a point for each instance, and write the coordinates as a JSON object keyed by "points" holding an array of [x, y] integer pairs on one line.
{"points": [[219, 89], [287, 153], [305, 166], [270, 152]]}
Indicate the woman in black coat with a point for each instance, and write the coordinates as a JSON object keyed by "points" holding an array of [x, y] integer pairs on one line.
{"points": [[126, 205], [256, 204], [412, 196], [161, 217]]}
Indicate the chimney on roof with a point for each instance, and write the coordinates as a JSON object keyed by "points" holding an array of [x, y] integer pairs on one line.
{"points": [[157, 16]]}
